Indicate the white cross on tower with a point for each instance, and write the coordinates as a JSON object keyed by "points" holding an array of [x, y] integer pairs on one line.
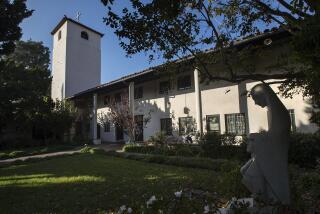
{"points": [[78, 16]]}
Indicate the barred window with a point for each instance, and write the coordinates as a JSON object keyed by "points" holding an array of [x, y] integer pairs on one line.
{"points": [[138, 92], [235, 124], [213, 123], [185, 125], [184, 82], [292, 120], [166, 125], [164, 87]]}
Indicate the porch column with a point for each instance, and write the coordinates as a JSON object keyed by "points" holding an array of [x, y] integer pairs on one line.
{"points": [[198, 101], [131, 101], [243, 104], [94, 120], [131, 97]]}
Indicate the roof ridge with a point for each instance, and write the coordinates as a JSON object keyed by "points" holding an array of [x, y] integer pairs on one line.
{"points": [[65, 18]]}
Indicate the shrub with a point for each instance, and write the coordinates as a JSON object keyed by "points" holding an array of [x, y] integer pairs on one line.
{"points": [[85, 149], [305, 189], [224, 146], [184, 151], [158, 139], [146, 149], [226, 152], [304, 149], [4, 156], [213, 139], [202, 163], [17, 154]]}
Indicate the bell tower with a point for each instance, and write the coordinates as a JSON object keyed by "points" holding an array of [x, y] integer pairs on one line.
{"points": [[76, 58]]}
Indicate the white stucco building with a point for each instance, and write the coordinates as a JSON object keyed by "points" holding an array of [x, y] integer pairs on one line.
{"points": [[171, 100], [76, 58]]}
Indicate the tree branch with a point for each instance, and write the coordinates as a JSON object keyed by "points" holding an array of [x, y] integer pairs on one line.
{"points": [[286, 16], [293, 9]]}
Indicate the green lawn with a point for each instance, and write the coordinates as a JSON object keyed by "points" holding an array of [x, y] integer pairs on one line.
{"points": [[92, 183]]}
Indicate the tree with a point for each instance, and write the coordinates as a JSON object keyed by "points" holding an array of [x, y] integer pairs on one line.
{"points": [[24, 89], [11, 15], [174, 29], [120, 114], [25, 82]]}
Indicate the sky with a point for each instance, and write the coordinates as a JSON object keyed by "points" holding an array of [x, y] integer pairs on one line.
{"points": [[48, 13]]}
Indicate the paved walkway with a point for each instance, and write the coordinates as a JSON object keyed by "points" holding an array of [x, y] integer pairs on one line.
{"points": [[106, 147], [7, 161]]}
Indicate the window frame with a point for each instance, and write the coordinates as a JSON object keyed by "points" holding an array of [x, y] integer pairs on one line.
{"points": [[165, 129], [237, 132], [167, 89], [208, 125], [107, 127], [59, 35], [84, 35], [183, 82], [180, 125], [138, 92]]}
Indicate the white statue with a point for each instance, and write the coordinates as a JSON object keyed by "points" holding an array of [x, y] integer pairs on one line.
{"points": [[266, 173]]}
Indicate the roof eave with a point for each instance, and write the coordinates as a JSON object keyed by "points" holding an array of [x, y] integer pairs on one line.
{"points": [[65, 18]]}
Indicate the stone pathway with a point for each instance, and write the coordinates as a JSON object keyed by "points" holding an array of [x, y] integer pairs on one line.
{"points": [[106, 147]]}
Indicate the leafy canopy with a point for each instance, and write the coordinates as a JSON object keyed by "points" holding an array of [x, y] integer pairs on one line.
{"points": [[173, 29], [12, 14]]}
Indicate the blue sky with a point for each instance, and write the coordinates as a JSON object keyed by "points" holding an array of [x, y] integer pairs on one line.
{"points": [[48, 13]]}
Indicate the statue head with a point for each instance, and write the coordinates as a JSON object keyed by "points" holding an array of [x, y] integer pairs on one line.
{"points": [[258, 95]]}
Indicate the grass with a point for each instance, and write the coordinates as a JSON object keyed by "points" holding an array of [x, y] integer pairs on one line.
{"points": [[7, 154], [92, 183]]}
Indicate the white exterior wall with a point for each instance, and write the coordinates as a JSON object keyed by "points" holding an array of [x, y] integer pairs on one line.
{"points": [[76, 63], [258, 117], [59, 53], [217, 98]]}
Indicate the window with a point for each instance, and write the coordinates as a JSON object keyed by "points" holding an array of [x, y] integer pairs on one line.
{"points": [[84, 35], [59, 35], [184, 82], [213, 123], [235, 124], [106, 100], [138, 93], [117, 98], [106, 127], [138, 119], [166, 125], [185, 125], [164, 87], [292, 120]]}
